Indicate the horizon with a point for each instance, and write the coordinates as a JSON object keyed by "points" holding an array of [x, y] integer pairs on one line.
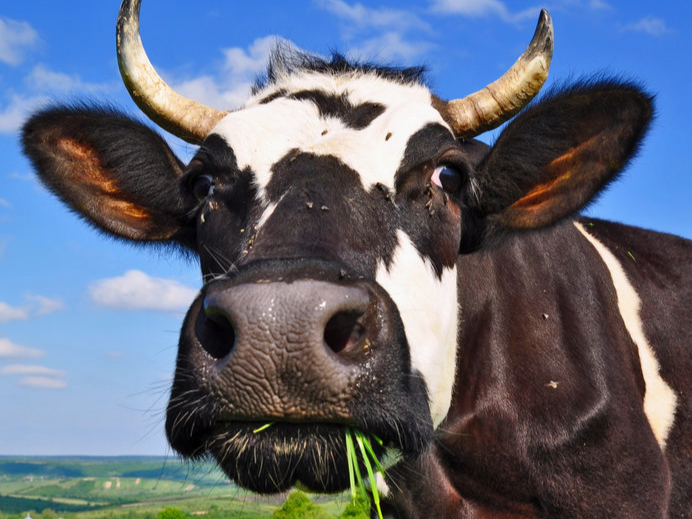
{"points": [[89, 326]]}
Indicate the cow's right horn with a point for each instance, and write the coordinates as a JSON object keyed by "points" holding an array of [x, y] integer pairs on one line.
{"points": [[183, 117], [503, 98]]}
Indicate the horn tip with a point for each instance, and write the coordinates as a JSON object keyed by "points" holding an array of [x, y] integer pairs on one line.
{"points": [[542, 41], [544, 27]]}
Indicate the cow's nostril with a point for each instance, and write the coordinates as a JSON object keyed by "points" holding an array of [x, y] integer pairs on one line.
{"points": [[219, 334], [343, 330]]}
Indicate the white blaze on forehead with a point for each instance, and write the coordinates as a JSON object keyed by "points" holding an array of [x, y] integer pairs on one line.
{"points": [[660, 400], [429, 310], [260, 135]]}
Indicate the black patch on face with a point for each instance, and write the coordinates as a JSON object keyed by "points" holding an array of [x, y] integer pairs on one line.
{"points": [[329, 105], [324, 212], [279, 93], [217, 154], [423, 150], [432, 216], [224, 216], [357, 117]]}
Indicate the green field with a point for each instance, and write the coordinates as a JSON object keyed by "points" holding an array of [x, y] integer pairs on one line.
{"points": [[133, 488]]}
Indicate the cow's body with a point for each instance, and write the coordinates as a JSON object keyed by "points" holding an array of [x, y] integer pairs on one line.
{"points": [[551, 383], [368, 266]]}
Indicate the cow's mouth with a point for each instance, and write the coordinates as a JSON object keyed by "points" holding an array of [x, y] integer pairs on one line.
{"points": [[279, 363], [275, 458]]}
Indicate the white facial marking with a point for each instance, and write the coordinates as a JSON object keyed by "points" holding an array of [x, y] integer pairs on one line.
{"points": [[659, 399], [429, 310], [262, 134], [266, 214]]}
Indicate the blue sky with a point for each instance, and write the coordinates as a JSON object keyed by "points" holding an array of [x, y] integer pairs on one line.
{"points": [[88, 327]]}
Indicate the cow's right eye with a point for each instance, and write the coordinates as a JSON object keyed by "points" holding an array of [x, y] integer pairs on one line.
{"points": [[447, 177], [202, 186]]}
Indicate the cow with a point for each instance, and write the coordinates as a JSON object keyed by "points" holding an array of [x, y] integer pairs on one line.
{"points": [[368, 265]]}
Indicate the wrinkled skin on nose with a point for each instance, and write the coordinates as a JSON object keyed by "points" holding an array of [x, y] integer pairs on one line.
{"points": [[312, 355], [292, 347]]}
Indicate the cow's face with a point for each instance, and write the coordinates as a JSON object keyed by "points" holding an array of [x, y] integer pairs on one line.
{"points": [[328, 215], [327, 219]]}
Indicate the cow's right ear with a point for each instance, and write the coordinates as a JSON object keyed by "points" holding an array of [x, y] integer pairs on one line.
{"points": [[115, 172], [553, 159]]}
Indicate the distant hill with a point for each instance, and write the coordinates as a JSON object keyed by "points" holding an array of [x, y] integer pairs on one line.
{"points": [[131, 488], [167, 468], [82, 484]]}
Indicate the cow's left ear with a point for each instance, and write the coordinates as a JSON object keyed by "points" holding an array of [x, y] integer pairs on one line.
{"points": [[115, 172], [553, 158]]}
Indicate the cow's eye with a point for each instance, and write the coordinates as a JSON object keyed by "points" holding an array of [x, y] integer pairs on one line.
{"points": [[447, 177], [202, 186]]}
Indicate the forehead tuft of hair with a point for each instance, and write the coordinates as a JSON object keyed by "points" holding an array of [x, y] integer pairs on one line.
{"points": [[286, 59]]}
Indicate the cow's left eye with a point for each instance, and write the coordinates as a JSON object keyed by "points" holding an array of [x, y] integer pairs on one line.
{"points": [[202, 186], [447, 177]]}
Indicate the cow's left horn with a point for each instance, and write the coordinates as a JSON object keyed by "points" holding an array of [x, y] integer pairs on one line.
{"points": [[500, 100], [183, 117]]}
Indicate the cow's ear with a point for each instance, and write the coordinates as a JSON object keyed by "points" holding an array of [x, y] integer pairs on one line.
{"points": [[118, 174], [553, 158]]}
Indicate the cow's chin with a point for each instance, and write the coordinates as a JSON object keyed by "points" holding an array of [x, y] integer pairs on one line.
{"points": [[312, 456]]}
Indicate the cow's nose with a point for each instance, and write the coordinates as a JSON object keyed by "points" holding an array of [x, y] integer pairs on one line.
{"points": [[287, 350], [272, 317]]}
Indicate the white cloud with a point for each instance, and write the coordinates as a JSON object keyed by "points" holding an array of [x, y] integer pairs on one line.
{"points": [[44, 305], [42, 79], [363, 16], [10, 350], [44, 84], [32, 375], [249, 63], [12, 313], [231, 86], [38, 305], [471, 7], [26, 177], [390, 47], [211, 92], [43, 382], [136, 290], [382, 32], [4, 203], [15, 39], [12, 114], [649, 25], [30, 370], [482, 8]]}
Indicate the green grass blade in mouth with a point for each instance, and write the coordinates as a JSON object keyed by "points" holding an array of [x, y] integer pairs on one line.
{"points": [[377, 439], [354, 474], [353, 455], [265, 426], [362, 441], [367, 453], [352, 460], [371, 452]]}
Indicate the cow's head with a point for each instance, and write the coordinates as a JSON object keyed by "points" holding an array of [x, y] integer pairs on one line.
{"points": [[328, 214]]}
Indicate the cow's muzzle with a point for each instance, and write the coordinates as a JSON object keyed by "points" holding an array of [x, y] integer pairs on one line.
{"points": [[312, 357]]}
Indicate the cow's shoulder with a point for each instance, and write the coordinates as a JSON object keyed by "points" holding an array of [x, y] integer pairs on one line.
{"points": [[549, 376], [647, 256]]}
